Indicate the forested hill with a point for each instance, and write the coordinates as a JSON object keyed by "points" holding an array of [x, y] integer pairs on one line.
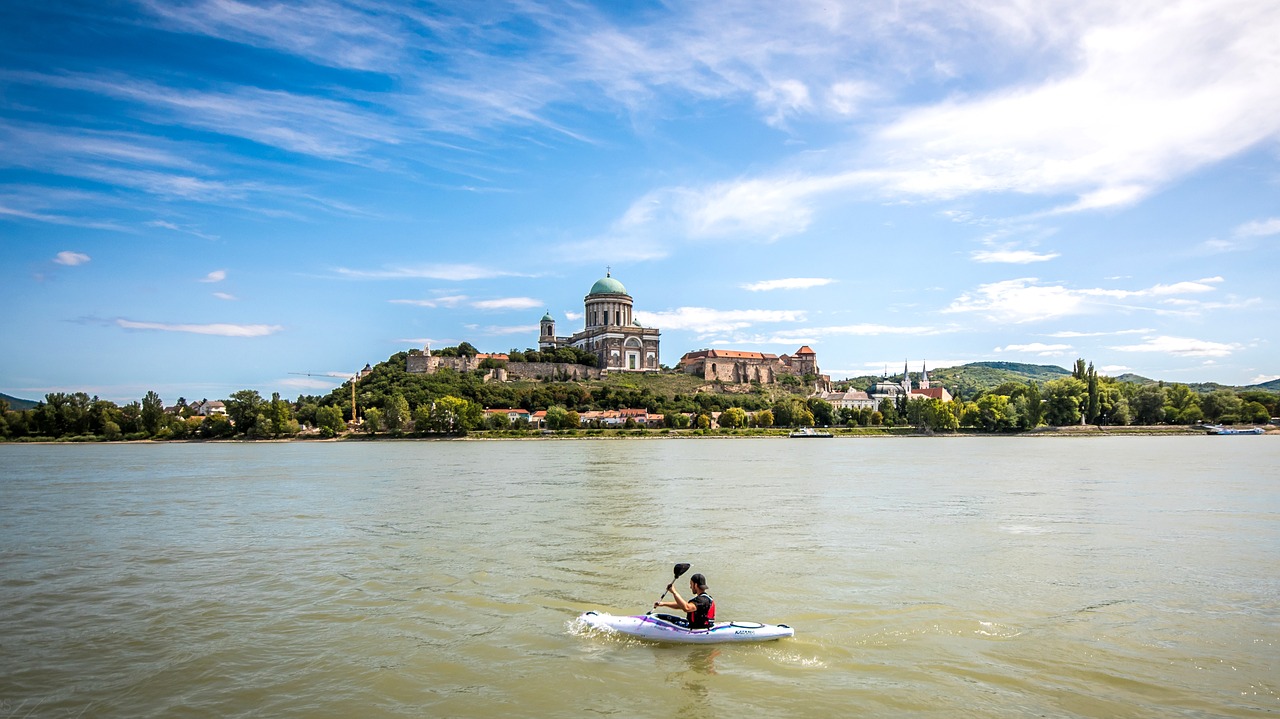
{"points": [[976, 377], [17, 404]]}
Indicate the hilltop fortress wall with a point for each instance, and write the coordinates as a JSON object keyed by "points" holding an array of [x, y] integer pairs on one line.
{"points": [[419, 363]]}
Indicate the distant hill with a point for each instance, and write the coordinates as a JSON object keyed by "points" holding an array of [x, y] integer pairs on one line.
{"points": [[17, 404], [975, 377], [1272, 386], [1132, 378], [1205, 387]]}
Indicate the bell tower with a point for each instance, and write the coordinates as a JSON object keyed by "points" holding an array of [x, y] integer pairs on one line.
{"points": [[547, 332]]}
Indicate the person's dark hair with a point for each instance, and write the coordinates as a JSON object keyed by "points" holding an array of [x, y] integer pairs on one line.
{"points": [[699, 580]]}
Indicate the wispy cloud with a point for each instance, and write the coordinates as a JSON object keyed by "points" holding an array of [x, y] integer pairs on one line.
{"points": [[219, 329], [1013, 257], [1069, 334], [453, 273], [1182, 347], [326, 33], [501, 330], [305, 124], [507, 303], [815, 335], [444, 301], [1259, 228], [215, 276], [791, 283], [173, 226], [1037, 348], [225, 296], [70, 259], [307, 383]]}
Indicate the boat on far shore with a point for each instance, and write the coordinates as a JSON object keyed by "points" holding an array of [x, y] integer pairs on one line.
{"points": [[809, 432], [1219, 429]]}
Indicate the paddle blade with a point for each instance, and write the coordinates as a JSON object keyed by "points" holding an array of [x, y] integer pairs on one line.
{"points": [[681, 568]]}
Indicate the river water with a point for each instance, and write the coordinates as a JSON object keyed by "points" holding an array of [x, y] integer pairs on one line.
{"points": [[971, 577]]}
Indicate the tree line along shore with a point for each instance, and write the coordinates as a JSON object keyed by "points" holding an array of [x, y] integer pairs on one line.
{"points": [[386, 401]]}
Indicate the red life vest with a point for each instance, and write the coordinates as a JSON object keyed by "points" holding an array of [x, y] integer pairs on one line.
{"points": [[699, 619]]}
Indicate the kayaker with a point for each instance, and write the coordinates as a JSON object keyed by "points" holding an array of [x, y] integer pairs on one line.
{"points": [[701, 610]]}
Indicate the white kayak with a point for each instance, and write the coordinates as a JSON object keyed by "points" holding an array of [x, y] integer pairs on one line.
{"points": [[667, 628]]}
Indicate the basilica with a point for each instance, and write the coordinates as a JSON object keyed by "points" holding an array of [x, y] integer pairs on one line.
{"points": [[619, 343]]}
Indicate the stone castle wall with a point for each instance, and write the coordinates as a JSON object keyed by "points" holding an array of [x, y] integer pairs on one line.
{"points": [[551, 370], [423, 364]]}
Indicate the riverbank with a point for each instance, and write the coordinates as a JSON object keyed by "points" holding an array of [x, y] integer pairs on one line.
{"points": [[632, 434]]}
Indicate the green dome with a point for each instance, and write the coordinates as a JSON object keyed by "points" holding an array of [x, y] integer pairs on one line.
{"points": [[548, 318], [608, 286]]}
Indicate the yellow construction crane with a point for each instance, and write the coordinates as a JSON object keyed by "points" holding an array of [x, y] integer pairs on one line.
{"points": [[353, 378]]}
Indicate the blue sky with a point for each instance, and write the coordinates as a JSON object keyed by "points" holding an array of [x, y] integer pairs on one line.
{"points": [[199, 197]]}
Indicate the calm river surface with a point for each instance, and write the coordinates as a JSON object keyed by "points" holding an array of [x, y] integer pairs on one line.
{"points": [[1000, 577]]}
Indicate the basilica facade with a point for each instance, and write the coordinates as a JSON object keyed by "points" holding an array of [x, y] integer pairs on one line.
{"points": [[619, 343]]}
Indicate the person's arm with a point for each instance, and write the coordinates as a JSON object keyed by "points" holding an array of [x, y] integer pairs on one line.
{"points": [[677, 603]]}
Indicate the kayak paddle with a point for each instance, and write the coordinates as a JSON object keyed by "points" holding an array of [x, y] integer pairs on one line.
{"points": [[680, 568]]}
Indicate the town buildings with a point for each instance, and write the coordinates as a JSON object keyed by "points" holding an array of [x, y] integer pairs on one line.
{"points": [[736, 366]]}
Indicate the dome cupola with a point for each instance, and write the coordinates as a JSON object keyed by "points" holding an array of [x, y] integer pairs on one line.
{"points": [[608, 286]]}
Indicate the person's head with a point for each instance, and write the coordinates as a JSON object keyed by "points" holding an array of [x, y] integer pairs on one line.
{"points": [[698, 583]]}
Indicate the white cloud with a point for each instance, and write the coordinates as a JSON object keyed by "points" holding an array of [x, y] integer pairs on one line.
{"points": [[1259, 228], [1182, 347], [792, 283], [846, 98], [507, 303], [215, 276], [1264, 378], [782, 99], [71, 259], [1020, 300], [1037, 348], [1112, 369], [225, 296], [1026, 300], [219, 329], [1013, 257], [1157, 90], [706, 320], [1160, 89]]}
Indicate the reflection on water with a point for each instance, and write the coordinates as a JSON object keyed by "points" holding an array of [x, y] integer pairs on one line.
{"points": [[989, 577]]}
